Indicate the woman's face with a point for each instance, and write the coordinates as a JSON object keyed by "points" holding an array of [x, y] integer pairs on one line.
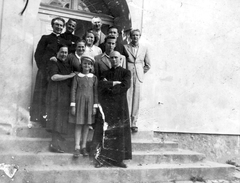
{"points": [[62, 53], [90, 39], [80, 48]]}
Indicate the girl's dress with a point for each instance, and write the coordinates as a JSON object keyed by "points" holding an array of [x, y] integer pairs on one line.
{"points": [[84, 95]]}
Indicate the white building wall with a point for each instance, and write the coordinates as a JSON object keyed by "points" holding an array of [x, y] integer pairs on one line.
{"points": [[16, 60], [193, 85]]}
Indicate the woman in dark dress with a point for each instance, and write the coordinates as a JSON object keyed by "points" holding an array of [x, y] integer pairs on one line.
{"points": [[58, 97]]}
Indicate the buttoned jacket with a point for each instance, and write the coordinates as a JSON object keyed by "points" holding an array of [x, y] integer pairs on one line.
{"points": [[139, 61]]}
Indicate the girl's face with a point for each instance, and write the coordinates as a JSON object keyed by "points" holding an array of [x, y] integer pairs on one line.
{"points": [[90, 38], [86, 66], [62, 53], [80, 48]]}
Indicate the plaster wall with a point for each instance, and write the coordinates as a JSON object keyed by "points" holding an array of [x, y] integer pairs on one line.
{"points": [[193, 85], [16, 60]]}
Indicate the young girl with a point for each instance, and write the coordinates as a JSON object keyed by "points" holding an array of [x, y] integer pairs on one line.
{"points": [[84, 101]]}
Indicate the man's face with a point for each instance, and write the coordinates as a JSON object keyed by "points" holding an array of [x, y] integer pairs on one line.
{"points": [[70, 26], [110, 45], [57, 26], [115, 58], [97, 24], [135, 36], [113, 32]]}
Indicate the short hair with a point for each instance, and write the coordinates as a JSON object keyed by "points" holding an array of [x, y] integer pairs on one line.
{"points": [[71, 19], [60, 46], [92, 32], [81, 40], [109, 37], [134, 30], [94, 19], [58, 18], [112, 27]]}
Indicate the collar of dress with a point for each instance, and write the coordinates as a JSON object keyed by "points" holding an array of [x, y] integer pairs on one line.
{"points": [[79, 57], [90, 75]]}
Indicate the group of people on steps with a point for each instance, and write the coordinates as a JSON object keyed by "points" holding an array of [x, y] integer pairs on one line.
{"points": [[93, 81]]}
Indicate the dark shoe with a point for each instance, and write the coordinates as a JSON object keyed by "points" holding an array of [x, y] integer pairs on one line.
{"points": [[134, 129], [84, 152], [121, 165], [55, 149], [98, 165], [76, 153]]}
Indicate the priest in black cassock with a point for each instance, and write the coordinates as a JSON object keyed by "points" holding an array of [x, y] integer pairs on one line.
{"points": [[116, 141]]}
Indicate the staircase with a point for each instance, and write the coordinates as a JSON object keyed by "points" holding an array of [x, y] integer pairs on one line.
{"points": [[154, 161]]}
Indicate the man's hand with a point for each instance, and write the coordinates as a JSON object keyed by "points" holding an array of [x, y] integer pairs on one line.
{"points": [[53, 59]]}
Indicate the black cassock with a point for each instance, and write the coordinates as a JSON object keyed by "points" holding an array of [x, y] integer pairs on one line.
{"points": [[115, 144]]}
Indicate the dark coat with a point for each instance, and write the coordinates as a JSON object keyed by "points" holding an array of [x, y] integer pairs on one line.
{"points": [[117, 143], [71, 41]]}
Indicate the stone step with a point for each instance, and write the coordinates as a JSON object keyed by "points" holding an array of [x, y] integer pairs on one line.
{"points": [[143, 158], [133, 174], [9, 143], [38, 132]]}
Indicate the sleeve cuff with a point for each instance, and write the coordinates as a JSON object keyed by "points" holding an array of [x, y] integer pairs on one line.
{"points": [[73, 104], [95, 105]]}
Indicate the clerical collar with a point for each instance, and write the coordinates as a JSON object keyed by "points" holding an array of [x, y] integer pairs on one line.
{"points": [[90, 75], [56, 34]]}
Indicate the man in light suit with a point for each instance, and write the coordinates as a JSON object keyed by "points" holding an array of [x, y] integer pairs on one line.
{"points": [[96, 27], [102, 61], [138, 62]]}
